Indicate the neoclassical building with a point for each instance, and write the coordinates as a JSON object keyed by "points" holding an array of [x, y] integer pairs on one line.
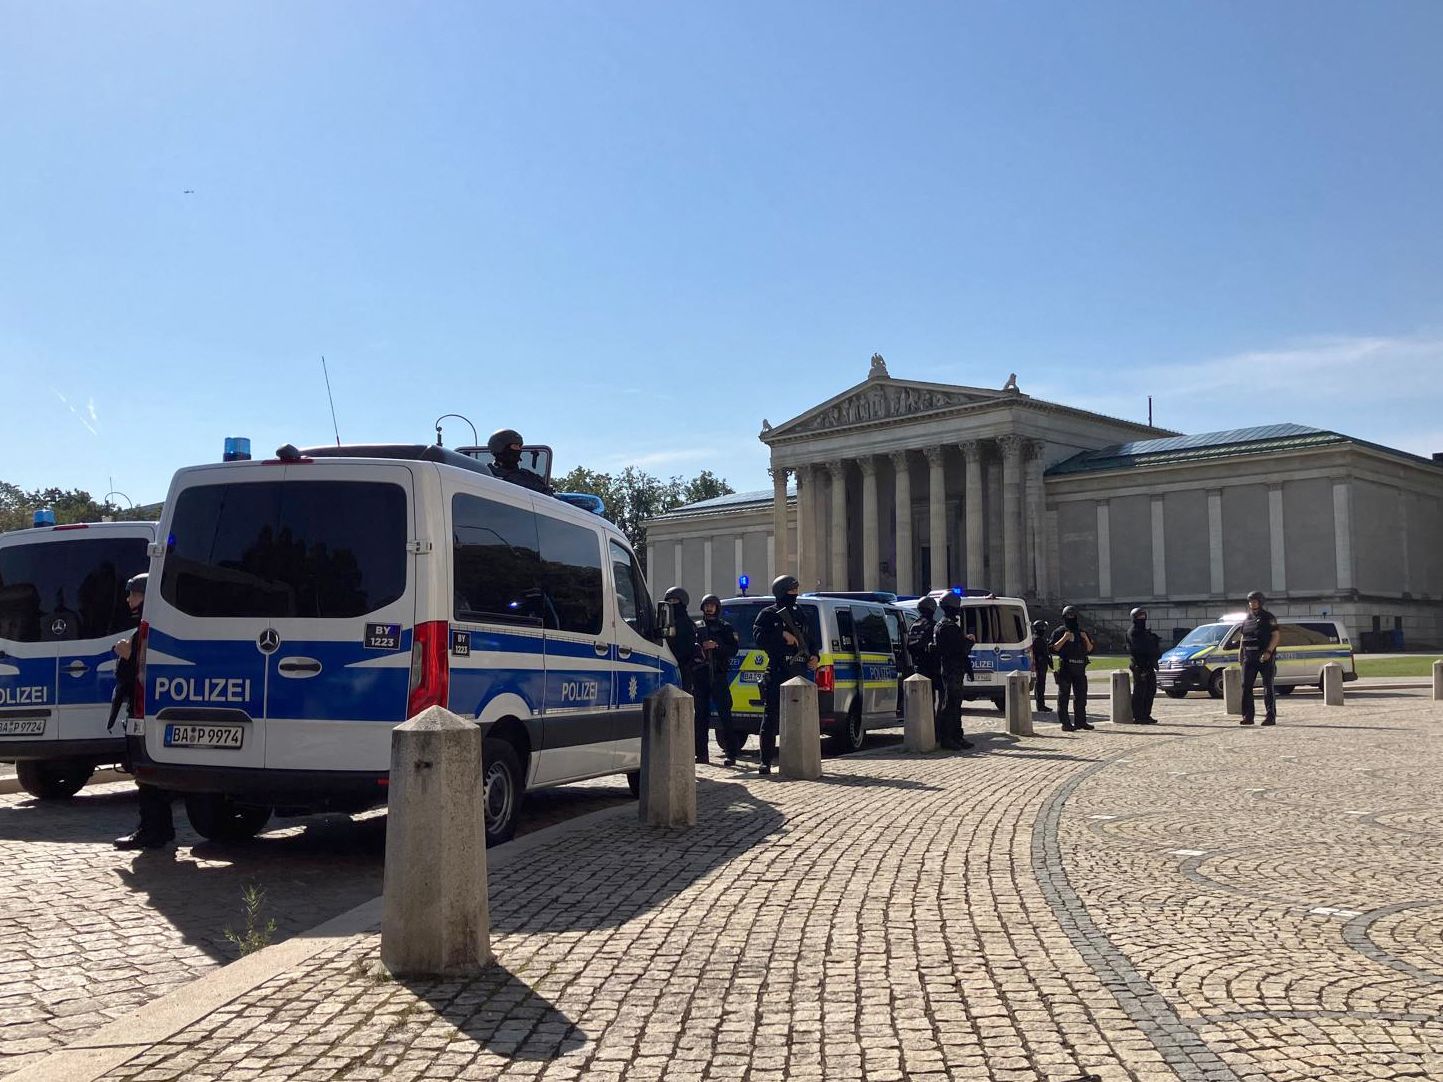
{"points": [[907, 486]]}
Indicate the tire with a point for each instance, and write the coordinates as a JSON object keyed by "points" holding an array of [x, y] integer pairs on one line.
{"points": [[1283, 689], [1215, 684], [854, 732], [1175, 693], [52, 779], [1000, 701], [218, 818], [503, 787], [741, 739], [633, 782]]}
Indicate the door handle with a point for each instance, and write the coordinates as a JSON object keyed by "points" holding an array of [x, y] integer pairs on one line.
{"points": [[623, 652], [299, 668], [77, 668], [601, 648]]}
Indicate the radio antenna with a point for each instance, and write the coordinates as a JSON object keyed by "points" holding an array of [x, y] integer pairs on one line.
{"points": [[330, 399]]}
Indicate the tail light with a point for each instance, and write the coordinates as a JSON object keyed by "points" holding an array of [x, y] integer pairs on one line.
{"points": [[137, 701], [826, 678], [430, 667]]}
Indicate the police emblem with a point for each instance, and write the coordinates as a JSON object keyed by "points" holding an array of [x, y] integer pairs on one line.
{"points": [[631, 689]]}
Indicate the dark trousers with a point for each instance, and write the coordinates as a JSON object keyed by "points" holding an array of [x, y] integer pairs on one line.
{"points": [[771, 714], [1144, 691], [155, 815], [714, 693], [949, 721], [1039, 689], [1254, 667], [1072, 682]]}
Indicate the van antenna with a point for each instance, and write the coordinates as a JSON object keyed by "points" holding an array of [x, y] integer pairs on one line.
{"points": [[330, 399]]}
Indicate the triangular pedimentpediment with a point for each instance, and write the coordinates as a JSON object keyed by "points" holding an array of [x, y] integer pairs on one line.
{"points": [[877, 400]]}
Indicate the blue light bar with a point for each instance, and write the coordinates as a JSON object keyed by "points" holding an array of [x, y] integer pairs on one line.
{"points": [[44, 516], [237, 449], [584, 500], [743, 581]]}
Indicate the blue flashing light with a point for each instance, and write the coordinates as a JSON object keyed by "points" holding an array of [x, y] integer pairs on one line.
{"points": [[237, 449], [744, 581], [584, 500], [44, 516], [959, 591]]}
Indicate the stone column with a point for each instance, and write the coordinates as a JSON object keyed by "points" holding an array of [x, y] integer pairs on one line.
{"points": [[902, 490], [1104, 549], [1012, 551], [936, 520], [1278, 539], [838, 471], [972, 453], [806, 526], [780, 561], [1036, 521], [871, 527], [1215, 541], [1159, 547], [1343, 533], [706, 580]]}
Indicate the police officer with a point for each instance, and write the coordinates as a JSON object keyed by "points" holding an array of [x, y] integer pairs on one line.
{"points": [[1257, 653], [924, 652], [1072, 645], [157, 826], [505, 447], [683, 639], [780, 633], [718, 642], [1144, 649], [954, 656], [1041, 654]]}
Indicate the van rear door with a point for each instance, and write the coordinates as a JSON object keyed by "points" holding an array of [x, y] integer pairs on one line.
{"points": [[27, 654]]}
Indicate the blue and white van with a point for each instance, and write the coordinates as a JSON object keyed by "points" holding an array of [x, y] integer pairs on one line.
{"points": [[62, 608], [1003, 633], [302, 607]]}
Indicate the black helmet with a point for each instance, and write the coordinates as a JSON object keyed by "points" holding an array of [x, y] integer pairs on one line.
{"points": [[951, 602], [677, 594], [927, 606], [1039, 627], [783, 585], [710, 599], [1069, 612], [1257, 595], [136, 583], [1138, 612], [501, 440]]}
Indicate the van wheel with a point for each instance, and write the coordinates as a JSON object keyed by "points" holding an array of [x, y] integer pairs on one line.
{"points": [[633, 782], [1283, 689], [502, 789], [52, 779], [218, 818], [1175, 693], [854, 732], [1215, 684], [1000, 701]]}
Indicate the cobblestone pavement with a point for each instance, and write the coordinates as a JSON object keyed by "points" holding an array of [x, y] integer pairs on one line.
{"points": [[88, 933], [1194, 901]]}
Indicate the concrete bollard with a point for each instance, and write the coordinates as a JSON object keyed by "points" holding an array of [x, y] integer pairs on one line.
{"points": [[1018, 705], [668, 759], [919, 721], [1121, 697], [434, 915], [1438, 681], [801, 735], [1332, 684], [1233, 691]]}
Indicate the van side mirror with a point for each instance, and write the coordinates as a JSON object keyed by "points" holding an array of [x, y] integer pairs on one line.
{"points": [[665, 621]]}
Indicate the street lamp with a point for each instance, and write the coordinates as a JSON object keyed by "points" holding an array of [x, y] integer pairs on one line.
{"points": [[476, 440], [106, 501]]}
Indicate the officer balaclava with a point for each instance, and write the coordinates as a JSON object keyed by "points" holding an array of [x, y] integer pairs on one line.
{"points": [[951, 606], [505, 448], [714, 603], [678, 597], [784, 589], [1139, 617], [1255, 600], [928, 607], [135, 593], [1069, 618]]}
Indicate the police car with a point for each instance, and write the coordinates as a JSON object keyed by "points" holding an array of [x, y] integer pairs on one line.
{"points": [[62, 607], [1003, 633], [301, 607], [1305, 645]]}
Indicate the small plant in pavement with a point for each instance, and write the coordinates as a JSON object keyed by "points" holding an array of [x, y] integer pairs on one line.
{"points": [[258, 929]]}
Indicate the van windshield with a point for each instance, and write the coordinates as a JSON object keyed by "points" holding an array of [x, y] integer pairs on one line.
{"points": [[57, 591], [742, 614], [309, 549], [1206, 635]]}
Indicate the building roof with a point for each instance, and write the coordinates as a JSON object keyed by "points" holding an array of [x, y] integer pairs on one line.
{"points": [[1263, 439], [735, 501]]}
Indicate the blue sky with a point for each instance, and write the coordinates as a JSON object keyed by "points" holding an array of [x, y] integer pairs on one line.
{"points": [[634, 230]]}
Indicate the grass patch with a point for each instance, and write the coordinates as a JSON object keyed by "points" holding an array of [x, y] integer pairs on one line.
{"points": [[1422, 665]]}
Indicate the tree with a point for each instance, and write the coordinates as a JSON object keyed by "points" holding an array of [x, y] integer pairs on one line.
{"points": [[18, 507], [633, 496]]}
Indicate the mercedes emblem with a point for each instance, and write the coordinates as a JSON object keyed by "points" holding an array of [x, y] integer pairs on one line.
{"points": [[268, 640]]}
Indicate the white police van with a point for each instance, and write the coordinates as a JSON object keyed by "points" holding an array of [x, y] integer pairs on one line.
{"points": [[1003, 633], [302, 607], [62, 607]]}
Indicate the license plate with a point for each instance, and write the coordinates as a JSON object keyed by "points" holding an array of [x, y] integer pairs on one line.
{"points": [[203, 736], [981, 676], [752, 677], [22, 726]]}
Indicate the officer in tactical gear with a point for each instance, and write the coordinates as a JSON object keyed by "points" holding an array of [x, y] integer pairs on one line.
{"points": [[924, 652], [1258, 655], [1144, 649], [954, 656], [718, 643], [157, 825], [779, 631], [1041, 653], [1072, 646], [683, 640], [505, 447]]}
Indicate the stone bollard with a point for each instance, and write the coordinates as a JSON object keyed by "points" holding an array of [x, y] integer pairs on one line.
{"points": [[1233, 691], [1121, 697], [919, 721], [1438, 681], [1332, 684], [1018, 705], [668, 759], [801, 735], [434, 915]]}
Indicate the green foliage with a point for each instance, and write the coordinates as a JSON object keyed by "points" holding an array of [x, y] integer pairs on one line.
{"points": [[633, 496], [258, 929], [17, 507]]}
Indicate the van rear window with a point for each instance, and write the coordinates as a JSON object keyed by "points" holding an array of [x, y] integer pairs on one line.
{"points": [[58, 591], [308, 549], [743, 614]]}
